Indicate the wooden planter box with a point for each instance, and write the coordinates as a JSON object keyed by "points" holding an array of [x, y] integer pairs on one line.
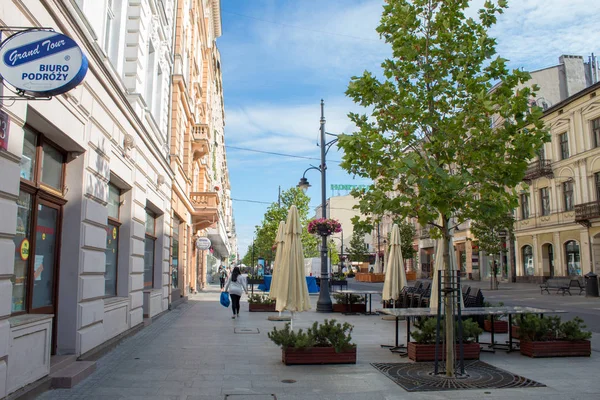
{"points": [[515, 331], [257, 307], [317, 355], [411, 275], [358, 307], [556, 348], [426, 352], [499, 326]]}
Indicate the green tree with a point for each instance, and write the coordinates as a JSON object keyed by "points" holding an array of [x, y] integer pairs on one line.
{"points": [[264, 238], [430, 137], [358, 250], [407, 236], [491, 234]]}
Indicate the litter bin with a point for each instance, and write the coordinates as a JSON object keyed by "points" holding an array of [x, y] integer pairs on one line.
{"points": [[591, 285]]}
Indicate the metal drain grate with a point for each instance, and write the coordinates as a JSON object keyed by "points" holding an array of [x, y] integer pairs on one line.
{"points": [[246, 330], [419, 377]]}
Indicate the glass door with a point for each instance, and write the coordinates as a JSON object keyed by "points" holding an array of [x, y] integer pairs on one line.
{"points": [[45, 258]]}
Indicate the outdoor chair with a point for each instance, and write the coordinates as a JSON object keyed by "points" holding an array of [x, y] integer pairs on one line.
{"points": [[403, 298], [414, 297]]}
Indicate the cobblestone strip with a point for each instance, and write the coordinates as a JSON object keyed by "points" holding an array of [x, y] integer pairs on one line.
{"points": [[123, 351]]}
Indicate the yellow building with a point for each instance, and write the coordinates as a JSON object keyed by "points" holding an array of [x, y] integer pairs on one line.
{"points": [[558, 221], [201, 192]]}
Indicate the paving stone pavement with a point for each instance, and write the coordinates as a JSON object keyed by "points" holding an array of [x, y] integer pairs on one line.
{"points": [[192, 353]]}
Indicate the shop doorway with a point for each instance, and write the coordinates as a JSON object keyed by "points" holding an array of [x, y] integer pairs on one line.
{"points": [[548, 260]]}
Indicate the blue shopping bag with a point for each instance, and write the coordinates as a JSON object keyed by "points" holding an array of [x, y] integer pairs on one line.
{"points": [[225, 299]]}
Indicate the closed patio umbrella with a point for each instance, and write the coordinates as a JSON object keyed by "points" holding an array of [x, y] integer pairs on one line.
{"points": [[279, 240], [395, 276], [292, 292]]}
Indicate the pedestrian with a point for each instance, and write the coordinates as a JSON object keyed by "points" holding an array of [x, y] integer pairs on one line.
{"points": [[235, 287], [222, 276]]}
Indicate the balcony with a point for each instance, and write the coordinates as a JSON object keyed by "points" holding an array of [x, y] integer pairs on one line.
{"points": [[200, 140], [206, 209], [424, 233], [587, 211], [537, 169]]}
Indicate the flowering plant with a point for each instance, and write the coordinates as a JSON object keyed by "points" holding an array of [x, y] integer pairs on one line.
{"points": [[324, 226]]}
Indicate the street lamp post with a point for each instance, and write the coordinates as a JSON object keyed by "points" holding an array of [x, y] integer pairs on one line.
{"points": [[324, 303]]}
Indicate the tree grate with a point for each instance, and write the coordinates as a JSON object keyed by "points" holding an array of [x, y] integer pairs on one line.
{"points": [[246, 330], [419, 377]]}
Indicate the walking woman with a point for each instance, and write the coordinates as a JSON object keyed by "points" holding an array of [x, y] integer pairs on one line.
{"points": [[235, 285]]}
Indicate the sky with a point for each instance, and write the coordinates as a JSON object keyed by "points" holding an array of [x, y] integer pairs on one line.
{"points": [[279, 58]]}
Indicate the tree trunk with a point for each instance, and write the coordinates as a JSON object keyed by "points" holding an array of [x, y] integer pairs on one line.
{"points": [[448, 303]]}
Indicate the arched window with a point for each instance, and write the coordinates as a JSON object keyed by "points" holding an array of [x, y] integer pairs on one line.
{"points": [[573, 258], [528, 267]]}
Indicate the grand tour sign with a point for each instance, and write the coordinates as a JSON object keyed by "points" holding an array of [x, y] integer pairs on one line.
{"points": [[42, 62]]}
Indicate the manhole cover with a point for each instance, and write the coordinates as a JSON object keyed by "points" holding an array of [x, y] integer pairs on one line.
{"points": [[250, 397], [245, 330], [288, 381], [418, 377]]}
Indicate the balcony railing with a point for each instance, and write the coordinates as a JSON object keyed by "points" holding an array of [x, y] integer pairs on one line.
{"points": [[424, 233], [537, 169], [200, 131], [205, 200], [200, 140], [587, 211]]}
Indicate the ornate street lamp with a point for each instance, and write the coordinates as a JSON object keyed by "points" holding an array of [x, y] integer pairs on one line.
{"points": [[324, 303]]}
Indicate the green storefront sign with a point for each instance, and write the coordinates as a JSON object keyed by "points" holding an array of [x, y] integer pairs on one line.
{"points": [[347, 187]]}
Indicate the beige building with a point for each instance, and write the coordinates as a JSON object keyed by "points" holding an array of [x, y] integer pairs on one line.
{"points": [[558, 220], [201, 200]]}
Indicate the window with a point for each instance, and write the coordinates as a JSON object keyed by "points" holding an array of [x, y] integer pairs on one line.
{"points": [[149, 245], [36, 254], [525, 206], [175, 253], [112, 29], [112, 241], [150, 61], [596, 131], [597, 182], [542, 153], [572, 255], [568, 195], [528, 267], [564, 145], [545, 199]]}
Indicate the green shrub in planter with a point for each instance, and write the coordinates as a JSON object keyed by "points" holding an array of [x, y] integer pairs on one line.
{"points": [[328, 334], [536, 329], [340, 298], [260, 299], [425, 333]]}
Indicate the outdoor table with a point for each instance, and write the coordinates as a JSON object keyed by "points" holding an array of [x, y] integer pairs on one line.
{"points": [[349, 292], [409, 313]]}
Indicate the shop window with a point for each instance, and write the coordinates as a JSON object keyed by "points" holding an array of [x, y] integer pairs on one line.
{"points": [[149, 248], [563, 138], [52, 167], [568, 195], [112, 241], [524, 206], [545, 200], [573, 258], [39, 212], [528, 267], [175, 254]]}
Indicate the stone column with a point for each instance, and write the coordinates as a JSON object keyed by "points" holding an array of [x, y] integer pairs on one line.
{"points": [[559, 262]]}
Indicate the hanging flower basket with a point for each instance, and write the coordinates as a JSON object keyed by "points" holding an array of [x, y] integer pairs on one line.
{"points": [[324, 226]]}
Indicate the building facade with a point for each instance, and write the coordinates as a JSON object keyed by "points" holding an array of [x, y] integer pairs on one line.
{"points": [[201, 200], [105, 187], [558, 229]]}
